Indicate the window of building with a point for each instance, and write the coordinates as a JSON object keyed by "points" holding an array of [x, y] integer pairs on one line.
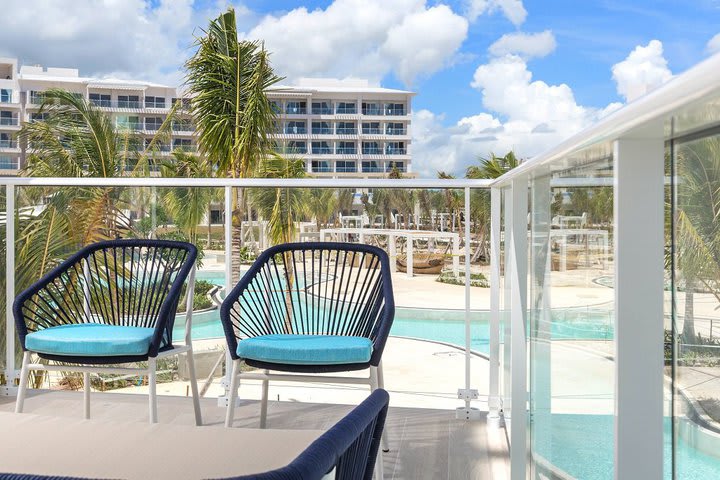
{"points": [[321, 108], [399, 166], [371, 128], [129, 122], [395, 148], [5, 95], [371, 167], [371, 148], [154, 102], [394, 109], [395, 129], [38, 117], [345, 148], [321, 128], [371, 108], [128, 101], [297, 147], [345, 166], [216, 217], [319, 166], [153, 123], [296, 108], [320, 148], [295, 128], [100, 100], [7, 163], [346, 107], [182, 125], [35, 97], [6, 118], [345, 128], [183, 144]]}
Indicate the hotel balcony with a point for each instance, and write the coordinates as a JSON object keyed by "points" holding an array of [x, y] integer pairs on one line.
{"points": [[322, 131], [346, 110], [9, 146], [346, 131], [570, 333], [9, 122], [321, 111]]}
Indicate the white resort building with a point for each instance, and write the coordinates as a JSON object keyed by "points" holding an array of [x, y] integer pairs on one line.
{"points": [[340, 127], [344, 127]]}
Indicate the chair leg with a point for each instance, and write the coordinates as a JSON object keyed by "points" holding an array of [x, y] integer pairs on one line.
{"points": [[22, 388], [264, 402], [234, 383], [377, 380], [86, 394], [152, 385], [194, 387]]}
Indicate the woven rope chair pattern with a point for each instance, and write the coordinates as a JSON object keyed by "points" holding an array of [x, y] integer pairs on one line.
{"points": [[308, 289], [121, 283]]}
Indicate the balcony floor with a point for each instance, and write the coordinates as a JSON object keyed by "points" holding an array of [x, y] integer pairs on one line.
{"points": [[425, 443]]}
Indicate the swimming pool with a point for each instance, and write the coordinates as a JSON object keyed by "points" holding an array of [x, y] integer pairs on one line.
{"points": [[446, 326]]}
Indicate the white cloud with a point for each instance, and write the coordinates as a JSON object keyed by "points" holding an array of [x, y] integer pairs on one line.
{"points": [[713, 45], [363, 38], [514, 10], [525, 45], [527, 117], [643, 70]]}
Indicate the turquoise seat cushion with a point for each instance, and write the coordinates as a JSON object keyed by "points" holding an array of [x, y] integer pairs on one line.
{"points": [[91, 340], [306, 349]]}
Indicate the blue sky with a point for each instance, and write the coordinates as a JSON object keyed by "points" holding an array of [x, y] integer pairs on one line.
{"points": [[490, 75]]}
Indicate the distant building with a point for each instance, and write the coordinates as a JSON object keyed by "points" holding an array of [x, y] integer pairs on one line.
{"points": [[339, 127], [344, 127], [136, 105]]}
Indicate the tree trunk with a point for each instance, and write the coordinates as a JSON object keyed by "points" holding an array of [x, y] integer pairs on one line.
{"points": [[688, 331], [237, 240], [209, 226]]}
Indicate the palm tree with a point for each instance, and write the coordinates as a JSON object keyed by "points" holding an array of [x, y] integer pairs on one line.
{"points": [[321, 204], [488, 168], [188, 206], [227, 80], [697, 230]]}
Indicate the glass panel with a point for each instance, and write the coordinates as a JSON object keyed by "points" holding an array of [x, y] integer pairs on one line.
{"points": [[570, 305], [696, 308]]}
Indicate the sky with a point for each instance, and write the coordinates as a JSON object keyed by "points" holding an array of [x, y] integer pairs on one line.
{"points": [[490, 75]]}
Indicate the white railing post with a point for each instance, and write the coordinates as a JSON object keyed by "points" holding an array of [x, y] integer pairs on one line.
{"points": [[467, 394], [494, 334], [639, 243], [518, 320], [10, 372], [222, 400]]}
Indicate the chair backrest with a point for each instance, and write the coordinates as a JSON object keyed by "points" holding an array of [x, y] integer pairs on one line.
{"points": [[134, 282], [350, 446], [313, 288]]}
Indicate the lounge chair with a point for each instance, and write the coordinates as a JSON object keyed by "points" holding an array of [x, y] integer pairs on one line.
{"points": [[310, 308], [112, 302]]}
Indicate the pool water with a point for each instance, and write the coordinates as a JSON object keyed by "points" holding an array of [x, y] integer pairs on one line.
{"points": [[583, 447]]}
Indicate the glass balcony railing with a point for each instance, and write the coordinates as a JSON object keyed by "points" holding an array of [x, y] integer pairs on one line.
{"points": [[396, 151], [346, 169], [8, 164], [399, 168], [152, 127], [346, 131], [371, 131], [322, 111], [296, 130], [101, 103], [155, 104], [346, 110], [395, 131], [366, 169], [128, 104], [180, 127], [372, 151], [296, 150], [395, 111], [321, 150], [321, 169], [345, 150], [372, 111], [296, 110], [322, 131], [185, 148], [8, 121], [8, 144], [130, 126]]}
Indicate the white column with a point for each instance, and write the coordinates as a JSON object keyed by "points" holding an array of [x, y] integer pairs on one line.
{"points": [[494, 334], [409, 256], [222, 400], [639, 263], [392, 247], [518, 320], [10, 284]]}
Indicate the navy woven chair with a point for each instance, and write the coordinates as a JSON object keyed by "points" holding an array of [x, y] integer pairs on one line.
{"points": [[112, 302], [347, 451], [306, 308]]}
